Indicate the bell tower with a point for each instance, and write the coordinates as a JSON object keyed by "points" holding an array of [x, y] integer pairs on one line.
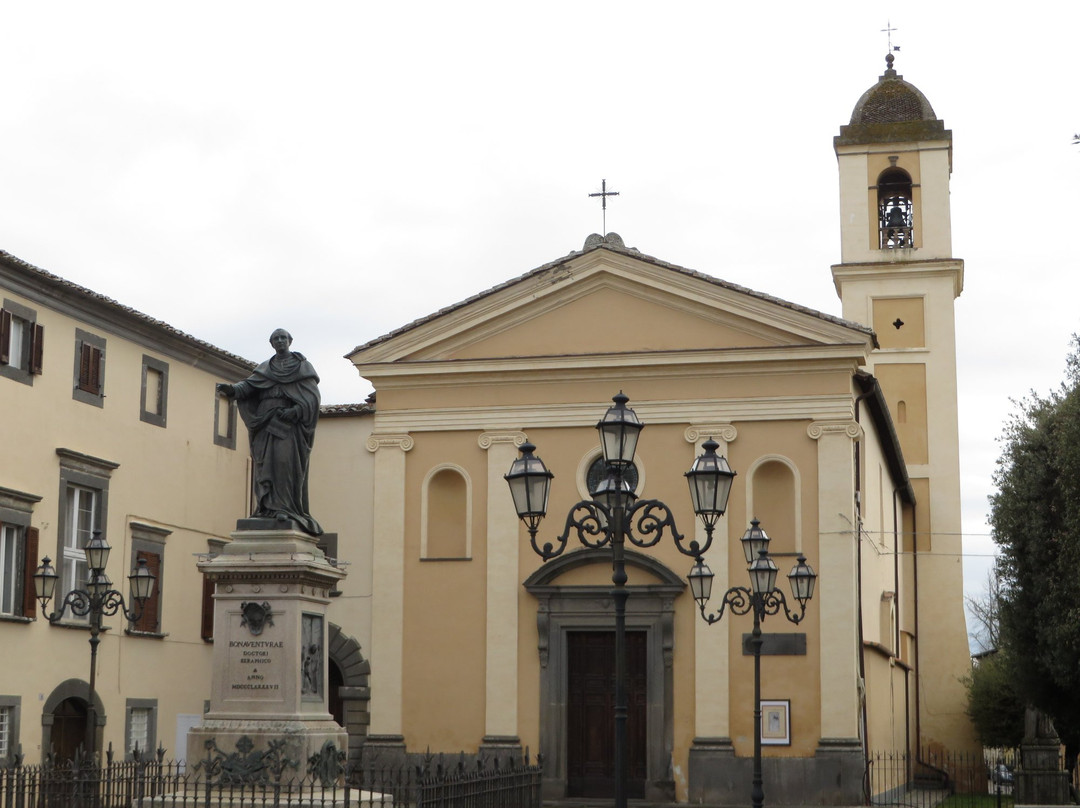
{"points": [[898, 275]]}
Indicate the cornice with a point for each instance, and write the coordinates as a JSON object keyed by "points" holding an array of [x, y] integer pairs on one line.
{"points": [[911, 268], [720, 363], [538, 416], [87, 464]]}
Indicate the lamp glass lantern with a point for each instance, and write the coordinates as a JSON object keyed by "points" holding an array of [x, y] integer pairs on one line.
{"points": [[142, 581], [754, 541], [530, 485], [619, 431], [614, 492], [802, 579], [710, 479], [701, 581], [97, 552], [763, 574], [45, 579]]}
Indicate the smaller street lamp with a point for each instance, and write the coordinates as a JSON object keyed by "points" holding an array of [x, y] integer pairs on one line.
{"points": [[98, 599], [763, 599]]}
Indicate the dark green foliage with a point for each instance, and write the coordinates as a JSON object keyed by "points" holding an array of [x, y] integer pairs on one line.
{"points": [[996, 710], [1035, 518]]}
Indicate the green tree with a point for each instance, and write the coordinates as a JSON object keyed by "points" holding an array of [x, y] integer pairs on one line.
{"points": [[1035, 517], [995, 708]]}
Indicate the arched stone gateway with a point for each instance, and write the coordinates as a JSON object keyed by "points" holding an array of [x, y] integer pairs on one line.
{"points": [[569, 614], [349, 691], [63, 719]]}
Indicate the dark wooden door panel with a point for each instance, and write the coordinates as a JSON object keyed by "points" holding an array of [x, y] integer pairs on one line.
{"points": [[590, 719]]}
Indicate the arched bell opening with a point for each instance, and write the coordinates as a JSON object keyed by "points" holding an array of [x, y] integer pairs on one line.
{"points": [[895, 209]]}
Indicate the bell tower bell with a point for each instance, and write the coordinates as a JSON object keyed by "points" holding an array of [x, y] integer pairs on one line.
{"points": [[898, 275]]}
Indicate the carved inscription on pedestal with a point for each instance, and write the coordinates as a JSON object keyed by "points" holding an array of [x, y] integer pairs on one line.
{"points": [[256, 667], [255, 662]]}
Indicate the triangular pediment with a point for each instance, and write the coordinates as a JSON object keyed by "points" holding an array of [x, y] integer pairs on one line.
{"points": [[609, 301]]}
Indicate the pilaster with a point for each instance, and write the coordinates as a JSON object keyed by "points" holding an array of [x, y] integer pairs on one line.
{"points": [[503, 589], [388, 583], [712, 728], [838, 571]]}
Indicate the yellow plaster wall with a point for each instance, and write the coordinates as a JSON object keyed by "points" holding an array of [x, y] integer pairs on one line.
{"points": [[174, 478], [444, 639]]}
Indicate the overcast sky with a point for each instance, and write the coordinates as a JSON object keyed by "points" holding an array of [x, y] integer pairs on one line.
{"points": [[343, 168]]}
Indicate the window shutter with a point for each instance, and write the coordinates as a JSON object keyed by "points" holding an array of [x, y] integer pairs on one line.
{"points": [[30, 554], [148, 620], [207, 608], [5, 336], [86, 353], [37, 347], [90, 369]]}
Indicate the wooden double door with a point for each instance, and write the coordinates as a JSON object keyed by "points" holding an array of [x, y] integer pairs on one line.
{"points": [[590, 719]]}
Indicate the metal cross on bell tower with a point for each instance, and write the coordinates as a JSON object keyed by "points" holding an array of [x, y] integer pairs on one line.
{"points": [[888, 31], [604, 193]]}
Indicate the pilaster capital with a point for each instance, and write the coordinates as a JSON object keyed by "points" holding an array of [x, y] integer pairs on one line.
{"points": [[488, 439], [850, 429], [404, 442], [720, 432]]}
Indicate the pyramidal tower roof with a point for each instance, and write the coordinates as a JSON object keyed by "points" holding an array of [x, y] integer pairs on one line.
{"points": [[892, 110]]}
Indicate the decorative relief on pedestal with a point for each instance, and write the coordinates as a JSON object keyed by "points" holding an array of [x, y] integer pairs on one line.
{"points": [[487, 439], [849, 428], [719, 432], [311, 655], [327, 765], [255, 616], [403, 442]]}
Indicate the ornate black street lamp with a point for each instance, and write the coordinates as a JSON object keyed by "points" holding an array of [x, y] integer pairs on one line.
{"points": [[762, 598], [98, 599], [615, 516]]}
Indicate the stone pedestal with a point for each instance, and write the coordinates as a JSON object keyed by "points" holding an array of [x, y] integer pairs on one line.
{"points": [[1041, 780], [268, 705]]}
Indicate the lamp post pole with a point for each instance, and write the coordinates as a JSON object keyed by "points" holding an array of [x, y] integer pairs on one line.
{"points": [[613, 517], [98, 599], [762, 598]]}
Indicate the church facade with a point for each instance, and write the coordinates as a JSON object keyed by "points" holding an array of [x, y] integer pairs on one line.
{"points": [[843, 432]]}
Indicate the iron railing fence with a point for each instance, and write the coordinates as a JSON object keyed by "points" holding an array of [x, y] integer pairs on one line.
{"points": [[929, 778], [157, 783]]}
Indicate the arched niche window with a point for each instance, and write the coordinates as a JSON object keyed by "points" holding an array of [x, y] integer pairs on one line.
{"points": [[895, 209], [775, 500], [447, 515]]}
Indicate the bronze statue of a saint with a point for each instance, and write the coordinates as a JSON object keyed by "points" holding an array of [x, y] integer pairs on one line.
{"points": [[279, 403]]}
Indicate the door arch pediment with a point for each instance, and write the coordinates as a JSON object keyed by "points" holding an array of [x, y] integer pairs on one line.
{"points": [[548, 575]]}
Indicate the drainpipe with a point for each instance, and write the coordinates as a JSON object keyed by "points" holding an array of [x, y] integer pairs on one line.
{"points": [[864, 731]]}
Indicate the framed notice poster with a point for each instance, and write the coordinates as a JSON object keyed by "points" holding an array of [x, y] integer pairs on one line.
{"points": [[776, 722]]}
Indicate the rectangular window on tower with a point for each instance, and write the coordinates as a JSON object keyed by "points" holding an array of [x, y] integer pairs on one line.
{"points": [[22, 342]]}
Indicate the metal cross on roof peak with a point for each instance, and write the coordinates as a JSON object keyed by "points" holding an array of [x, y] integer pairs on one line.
{"points": [[604, 193], [888, 31]]}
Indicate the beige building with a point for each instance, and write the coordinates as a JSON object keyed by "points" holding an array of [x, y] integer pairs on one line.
{"points": [[111, 424], [449, 633], [844, 436]]}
